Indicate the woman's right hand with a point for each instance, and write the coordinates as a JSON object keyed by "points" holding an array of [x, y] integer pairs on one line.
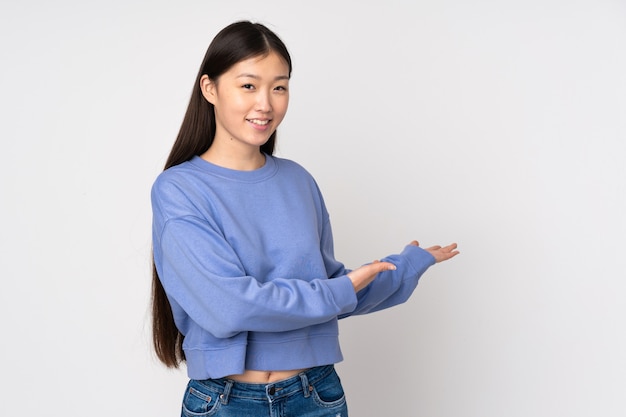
{"points": [[361, 277]]}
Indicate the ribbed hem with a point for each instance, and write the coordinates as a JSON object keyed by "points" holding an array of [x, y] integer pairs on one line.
{"points": [[305, 352]]}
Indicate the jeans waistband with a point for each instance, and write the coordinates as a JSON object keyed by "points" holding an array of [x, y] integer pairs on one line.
{"points": [[296, 384]]}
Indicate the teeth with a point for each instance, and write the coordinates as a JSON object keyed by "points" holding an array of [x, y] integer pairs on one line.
{"points": [[259, 122]]}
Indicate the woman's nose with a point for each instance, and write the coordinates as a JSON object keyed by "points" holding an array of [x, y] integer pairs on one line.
{"points": [[263, 102]]}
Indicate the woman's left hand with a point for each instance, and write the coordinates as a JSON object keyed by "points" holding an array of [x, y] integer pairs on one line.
{"points": [[440, 253]]}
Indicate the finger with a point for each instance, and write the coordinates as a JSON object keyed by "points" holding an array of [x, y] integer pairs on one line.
{"points": [[450, 247], [378, 266], [414, 243]]}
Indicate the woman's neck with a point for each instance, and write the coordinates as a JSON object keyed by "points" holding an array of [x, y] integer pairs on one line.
{"points": [[240, 161]]}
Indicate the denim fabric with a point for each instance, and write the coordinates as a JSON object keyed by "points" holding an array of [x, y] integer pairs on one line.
{"points": [[313, 393]]}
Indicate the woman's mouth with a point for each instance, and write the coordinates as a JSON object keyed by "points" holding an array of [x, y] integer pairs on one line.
{"points": [[259, 122]]}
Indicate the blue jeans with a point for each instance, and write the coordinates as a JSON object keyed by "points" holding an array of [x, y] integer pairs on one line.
{"points": [[313, 393]]}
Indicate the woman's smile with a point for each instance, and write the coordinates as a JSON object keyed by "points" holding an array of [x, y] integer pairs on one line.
{"points": [[260, 124]]}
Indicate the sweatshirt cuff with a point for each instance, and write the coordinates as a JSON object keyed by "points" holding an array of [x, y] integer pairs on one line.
{"points": [[343, 291], [418, 258]]}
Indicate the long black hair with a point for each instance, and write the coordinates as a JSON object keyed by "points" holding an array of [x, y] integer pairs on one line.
{"points": [[236, 42]]}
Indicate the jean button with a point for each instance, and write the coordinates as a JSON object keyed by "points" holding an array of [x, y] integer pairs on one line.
{"points": [[272, 390]]}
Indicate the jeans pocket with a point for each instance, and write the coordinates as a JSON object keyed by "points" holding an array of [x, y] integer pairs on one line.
{"points": [[200, 400], [328, 392]]}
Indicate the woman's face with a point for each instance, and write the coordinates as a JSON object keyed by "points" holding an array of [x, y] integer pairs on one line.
{"points": [[250, 100]]}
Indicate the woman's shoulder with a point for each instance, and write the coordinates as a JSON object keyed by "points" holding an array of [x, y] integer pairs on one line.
{"points": [[290, 166], [172, 175], [176, 184], [294, 175]]}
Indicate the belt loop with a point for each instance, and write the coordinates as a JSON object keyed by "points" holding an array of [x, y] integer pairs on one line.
{"points": [[305, 385], [226, 394]]}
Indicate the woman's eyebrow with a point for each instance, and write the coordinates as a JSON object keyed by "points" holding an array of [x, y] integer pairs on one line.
{"points": [[256, 77]]}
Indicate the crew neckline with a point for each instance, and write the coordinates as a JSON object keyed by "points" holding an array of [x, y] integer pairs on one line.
{"points": [[264, 172]]}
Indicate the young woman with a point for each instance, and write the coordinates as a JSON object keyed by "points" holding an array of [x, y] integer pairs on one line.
{"points": [[246, 289]]}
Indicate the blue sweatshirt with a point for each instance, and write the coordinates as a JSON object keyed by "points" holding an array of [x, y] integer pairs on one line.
{"points": [[246, 260]]}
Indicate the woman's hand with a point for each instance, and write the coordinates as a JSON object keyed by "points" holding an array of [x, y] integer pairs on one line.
{"points": [[361, 277], [440, 253]]}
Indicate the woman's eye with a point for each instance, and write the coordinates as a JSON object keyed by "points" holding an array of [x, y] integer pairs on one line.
{"points": [[281, 88], [248, 86]]}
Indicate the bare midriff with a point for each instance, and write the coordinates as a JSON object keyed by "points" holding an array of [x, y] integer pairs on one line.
{"points": [[264, 377]]}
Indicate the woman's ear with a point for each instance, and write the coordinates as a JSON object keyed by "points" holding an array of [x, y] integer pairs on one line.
{"points": [[208, 89]]}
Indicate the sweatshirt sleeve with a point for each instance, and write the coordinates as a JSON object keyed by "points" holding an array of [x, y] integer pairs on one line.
{"points": [[391, 288], [201, 272]]}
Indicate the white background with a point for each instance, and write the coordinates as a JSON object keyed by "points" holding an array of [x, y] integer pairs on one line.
{"points": [[497, 124]]}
